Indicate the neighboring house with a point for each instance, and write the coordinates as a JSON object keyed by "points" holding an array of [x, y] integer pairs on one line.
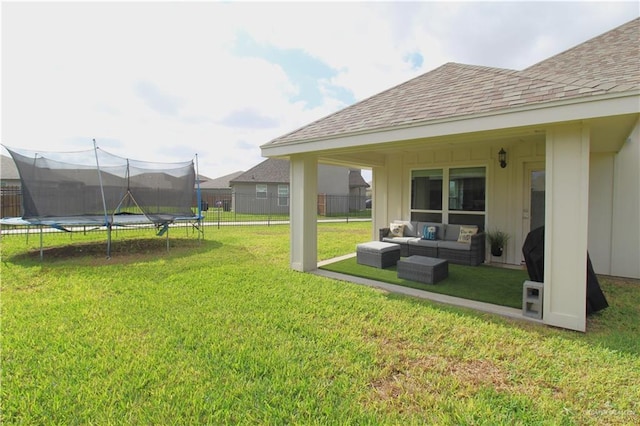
{"points": [[10, 192], [357, 190], [8, 172], [265, 189], [566, 129], [217, 192]]}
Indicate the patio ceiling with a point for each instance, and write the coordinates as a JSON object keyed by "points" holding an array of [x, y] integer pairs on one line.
{"points": [[607, 135]]}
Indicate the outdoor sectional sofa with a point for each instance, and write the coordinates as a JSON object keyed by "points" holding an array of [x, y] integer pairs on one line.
{"points": [[449, 243]]}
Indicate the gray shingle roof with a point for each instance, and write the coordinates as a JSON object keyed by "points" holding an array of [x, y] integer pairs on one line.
{"points": [[609, 62], [276, 170], [222, 182], [8, 169], [356, 180], [605, 64], [271, 170]]}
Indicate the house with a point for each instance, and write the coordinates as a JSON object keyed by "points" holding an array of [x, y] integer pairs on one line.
{"points": [[10, 188], [8, 172], [557, 143], [217, 192], [358, 188], [265, 189]]}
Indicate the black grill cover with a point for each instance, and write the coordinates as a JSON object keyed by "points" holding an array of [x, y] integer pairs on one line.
{"points": [[533, 251]]}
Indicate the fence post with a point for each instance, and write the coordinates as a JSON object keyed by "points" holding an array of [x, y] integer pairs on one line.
{"points": [[269, 201]]}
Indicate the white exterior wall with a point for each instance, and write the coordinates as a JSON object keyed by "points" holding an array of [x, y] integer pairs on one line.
{"points": [[614, 210], [613, 196], [625, 241], [601, 211], [505, 187]]}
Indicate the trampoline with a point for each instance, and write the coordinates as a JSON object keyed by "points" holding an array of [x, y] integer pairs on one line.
{"points": [[65, 190]]}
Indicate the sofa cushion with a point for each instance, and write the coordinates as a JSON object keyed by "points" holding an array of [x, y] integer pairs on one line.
{"points": [[377, 247], [398, 240], [454, 245], [425, 243], [451, 232], [466, 232]]}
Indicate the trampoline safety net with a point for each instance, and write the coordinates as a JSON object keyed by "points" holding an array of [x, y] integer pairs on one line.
{"points": [[96, 183]]}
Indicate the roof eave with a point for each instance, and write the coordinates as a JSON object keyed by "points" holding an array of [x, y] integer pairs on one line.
{"points": [[564, 110]]}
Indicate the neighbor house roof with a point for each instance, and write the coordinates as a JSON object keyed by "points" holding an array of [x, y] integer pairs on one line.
{"points": [[276, 170], [271, 170], [356, 180], [222, 182], [606, 64], [8, 169]]}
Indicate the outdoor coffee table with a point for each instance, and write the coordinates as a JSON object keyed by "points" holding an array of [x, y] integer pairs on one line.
{"points": [[428, 270]]}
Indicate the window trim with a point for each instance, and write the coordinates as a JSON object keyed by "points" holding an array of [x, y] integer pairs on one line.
{"points": [[261, 195], [283, 197], [445, 211]]}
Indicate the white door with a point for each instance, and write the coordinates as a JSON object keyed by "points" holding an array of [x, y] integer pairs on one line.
{"points": [[534, 190]]}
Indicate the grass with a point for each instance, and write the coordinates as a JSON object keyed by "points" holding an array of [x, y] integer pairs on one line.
{"points": [[222, 331], [484, 283], [217, 214]]}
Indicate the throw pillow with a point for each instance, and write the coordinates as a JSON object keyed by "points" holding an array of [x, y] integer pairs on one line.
{"points": [[429, 232], [396, 230], [409, 229], [466, 232]]}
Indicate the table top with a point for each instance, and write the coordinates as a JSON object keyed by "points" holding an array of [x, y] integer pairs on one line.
{"points": [[423, 260]]}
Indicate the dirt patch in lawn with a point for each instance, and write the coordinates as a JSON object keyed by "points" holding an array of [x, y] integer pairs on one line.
{"points": [[122, 251]]}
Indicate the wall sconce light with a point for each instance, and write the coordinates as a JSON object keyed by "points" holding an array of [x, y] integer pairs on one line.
{"points": [[502, 158]]}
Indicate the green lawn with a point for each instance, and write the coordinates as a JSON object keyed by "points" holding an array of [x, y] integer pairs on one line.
{"points": [[217, 214], [221, 331]]}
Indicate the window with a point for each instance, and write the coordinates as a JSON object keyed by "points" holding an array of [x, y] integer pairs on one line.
{"points": [[426, 195], [426, 189], [283, 195], [460, 201], [466, 189], [261, 190]]}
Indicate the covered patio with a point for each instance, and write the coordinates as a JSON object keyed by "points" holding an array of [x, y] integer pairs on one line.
{"points": [[543, 146], [464, 302]]}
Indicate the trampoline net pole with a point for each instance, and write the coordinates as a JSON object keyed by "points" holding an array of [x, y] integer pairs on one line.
{"points": [[199, 201], [104, 201]]}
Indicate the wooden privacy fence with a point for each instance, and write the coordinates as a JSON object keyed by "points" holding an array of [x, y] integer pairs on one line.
{"points": [[10, 201]]}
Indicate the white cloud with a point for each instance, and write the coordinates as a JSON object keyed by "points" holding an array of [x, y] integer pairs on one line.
{"points": [[163, 81]]}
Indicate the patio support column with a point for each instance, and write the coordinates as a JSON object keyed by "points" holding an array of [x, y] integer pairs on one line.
{"points": [[566, 226], [379, 218], [303, 213]]}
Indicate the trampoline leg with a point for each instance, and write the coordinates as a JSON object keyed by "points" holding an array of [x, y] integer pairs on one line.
{"points": [[41, 251], [167, 239], [108, 241]]}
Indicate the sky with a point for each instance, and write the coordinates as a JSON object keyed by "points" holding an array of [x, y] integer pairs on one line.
{"points": [[213, 81]]}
